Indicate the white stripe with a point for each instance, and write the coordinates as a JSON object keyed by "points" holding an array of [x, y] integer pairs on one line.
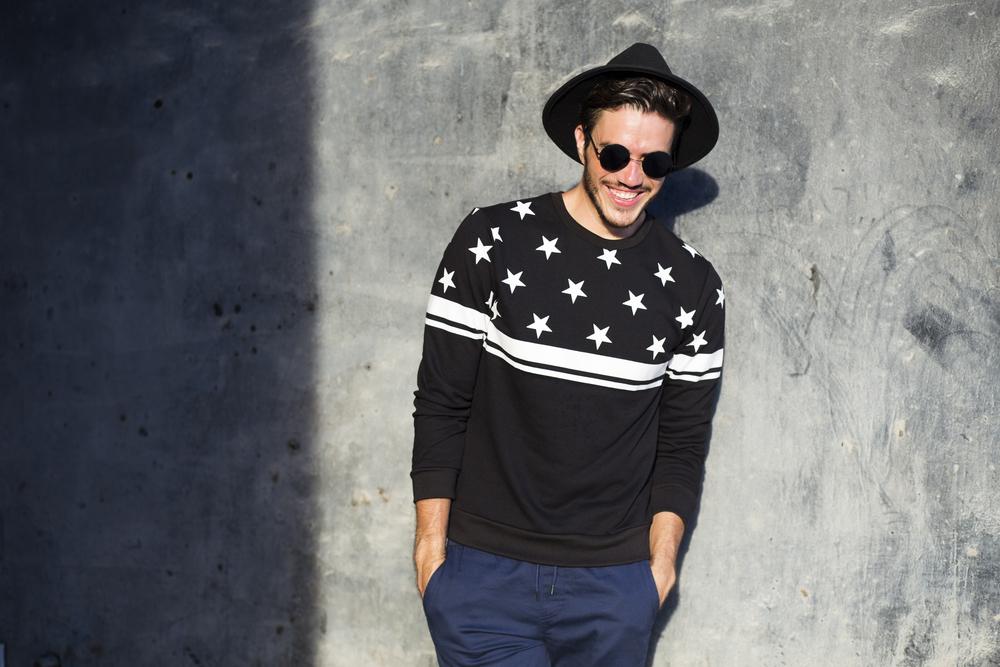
{"points": [[698, 363], [447, 327], [569, 376], [693, 378], [457, 313], [572, 360], [536, 353]]}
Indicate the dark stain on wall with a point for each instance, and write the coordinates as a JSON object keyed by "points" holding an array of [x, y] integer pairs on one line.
{"points": [[888, 247], [930, 325]]}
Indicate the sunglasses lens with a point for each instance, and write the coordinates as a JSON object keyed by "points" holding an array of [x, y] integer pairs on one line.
{"points": [[613, 157], [657, 165]]}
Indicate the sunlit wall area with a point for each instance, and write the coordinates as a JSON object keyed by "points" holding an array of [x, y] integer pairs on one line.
{"points": [[850, 209]]}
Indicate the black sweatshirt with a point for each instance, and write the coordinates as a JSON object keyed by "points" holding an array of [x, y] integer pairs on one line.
{"points": [[567, 384]]}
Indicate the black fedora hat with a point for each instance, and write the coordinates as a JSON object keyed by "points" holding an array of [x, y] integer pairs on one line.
{"points": [[561, 115]]}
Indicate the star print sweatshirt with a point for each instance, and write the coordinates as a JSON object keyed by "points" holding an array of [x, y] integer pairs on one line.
{"points": [[567, 384]]}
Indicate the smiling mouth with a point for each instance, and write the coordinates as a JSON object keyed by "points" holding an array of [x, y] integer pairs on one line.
{"points": [[624, 198]]}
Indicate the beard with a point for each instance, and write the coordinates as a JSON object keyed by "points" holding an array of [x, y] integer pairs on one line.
{"points": [[622, 220]]}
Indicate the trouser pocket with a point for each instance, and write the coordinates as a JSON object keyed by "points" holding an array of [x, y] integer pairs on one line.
{"points": [[651, 585]]}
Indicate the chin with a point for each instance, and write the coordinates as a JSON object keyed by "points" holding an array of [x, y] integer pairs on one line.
{"points": [[617, 216]]}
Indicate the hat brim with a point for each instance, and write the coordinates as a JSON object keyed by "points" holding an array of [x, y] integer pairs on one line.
{"points": [[561, 114]]}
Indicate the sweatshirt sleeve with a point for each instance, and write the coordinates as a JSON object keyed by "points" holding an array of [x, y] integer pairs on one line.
{"points": [[458, 311], [690, 391]]}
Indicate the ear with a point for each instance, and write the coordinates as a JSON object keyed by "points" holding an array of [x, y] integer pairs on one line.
{"points": [[581, 141]]}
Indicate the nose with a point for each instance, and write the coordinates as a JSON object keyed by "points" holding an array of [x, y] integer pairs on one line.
{"points": [[631, 176]]}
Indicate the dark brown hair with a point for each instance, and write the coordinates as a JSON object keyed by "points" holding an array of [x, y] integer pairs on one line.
{"points": [[640, 93]]}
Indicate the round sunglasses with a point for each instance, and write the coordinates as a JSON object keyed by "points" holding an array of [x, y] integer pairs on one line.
{"points": [[615, 157]]}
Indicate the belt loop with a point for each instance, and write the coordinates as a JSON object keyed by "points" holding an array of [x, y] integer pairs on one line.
{"points": [[538, 572], [555, 575]]}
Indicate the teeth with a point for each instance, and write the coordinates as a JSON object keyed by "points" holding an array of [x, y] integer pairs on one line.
{"points": [[625, 195]]}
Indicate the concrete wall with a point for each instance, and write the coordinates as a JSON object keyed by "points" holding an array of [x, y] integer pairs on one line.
{"points": [[218, 225]]}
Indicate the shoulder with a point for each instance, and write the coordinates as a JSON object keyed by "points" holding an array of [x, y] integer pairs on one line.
{"points": [[691, 260], [515, 209], [487, 218]]}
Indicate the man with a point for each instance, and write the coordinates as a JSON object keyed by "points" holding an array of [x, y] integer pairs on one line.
{"points": [[571, 363]]}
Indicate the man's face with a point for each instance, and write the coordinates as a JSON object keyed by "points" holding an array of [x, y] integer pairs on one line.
{"points": [[620, 197]]}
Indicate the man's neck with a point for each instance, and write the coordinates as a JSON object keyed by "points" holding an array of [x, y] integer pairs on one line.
{"points": [[582, 210]]}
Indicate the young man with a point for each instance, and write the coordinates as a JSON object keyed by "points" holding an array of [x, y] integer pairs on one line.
{"points": [[572, 354]]}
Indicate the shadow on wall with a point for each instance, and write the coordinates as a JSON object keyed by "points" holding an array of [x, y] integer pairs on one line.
{"points": [[156, 338], [683, 192]]}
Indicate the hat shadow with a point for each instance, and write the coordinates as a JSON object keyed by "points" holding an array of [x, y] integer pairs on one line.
{"points": [[683, 192]]}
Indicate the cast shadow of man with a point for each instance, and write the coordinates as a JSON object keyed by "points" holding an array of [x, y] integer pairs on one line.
{"points": [[686, 191], [683, 192]]}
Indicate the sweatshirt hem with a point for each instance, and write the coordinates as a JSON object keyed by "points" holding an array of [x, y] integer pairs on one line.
{"points": [[567, 550]]}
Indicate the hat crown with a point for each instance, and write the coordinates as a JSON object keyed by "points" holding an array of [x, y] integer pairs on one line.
{"points": [[641, 55], [561, 114]]}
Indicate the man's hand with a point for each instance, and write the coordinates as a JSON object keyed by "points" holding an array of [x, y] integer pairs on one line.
{"points": [[665, 535], [431, 538], [427, 560], [665, 575]]}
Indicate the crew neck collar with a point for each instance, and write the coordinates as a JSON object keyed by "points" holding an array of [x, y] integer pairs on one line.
{"points": [[594, 239]]}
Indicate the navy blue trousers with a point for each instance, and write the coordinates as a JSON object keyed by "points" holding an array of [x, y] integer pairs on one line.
{"points": [[485, 609]]}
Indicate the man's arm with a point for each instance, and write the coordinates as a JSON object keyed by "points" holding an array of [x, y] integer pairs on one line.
{"points": [[687, 404], [430, 539], [453, 335]]}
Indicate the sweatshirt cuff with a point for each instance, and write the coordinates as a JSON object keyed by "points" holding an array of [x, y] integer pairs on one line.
{"points": [[677, 499], [439, 483]]}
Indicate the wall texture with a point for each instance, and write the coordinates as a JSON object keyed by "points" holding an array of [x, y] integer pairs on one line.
{"points": [[218, 226]]}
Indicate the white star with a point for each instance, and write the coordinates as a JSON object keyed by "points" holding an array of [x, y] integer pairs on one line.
{"points": [[721, 301], [574, 290], [664, 274], [489, 300], [634, 302], [599, 336], [609, 257], [496, 234], [481, 251], [548, 247], [539, 325], [686, 319], [657, 346], [690, 250], [475, 210], [513, 280], [698, 341], [523, 209], [446, 280]]}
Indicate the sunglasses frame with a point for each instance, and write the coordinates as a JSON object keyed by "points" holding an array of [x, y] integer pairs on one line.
{"points": [[604, 156]]}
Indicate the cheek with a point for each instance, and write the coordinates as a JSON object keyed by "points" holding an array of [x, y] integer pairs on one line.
{"points": [[593, 173], [654, 186]]}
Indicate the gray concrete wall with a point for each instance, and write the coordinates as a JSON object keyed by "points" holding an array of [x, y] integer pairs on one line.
{"points": [[219, 225]]}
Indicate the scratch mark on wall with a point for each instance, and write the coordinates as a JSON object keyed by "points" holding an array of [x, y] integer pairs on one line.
{"points": [[908, 22], [634, 20], [759, 12]]}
